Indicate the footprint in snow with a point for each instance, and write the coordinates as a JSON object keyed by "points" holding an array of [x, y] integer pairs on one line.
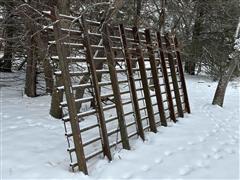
{"points": [[233, 141], [127, 176], [6, 116], [214, 149], [180, 148], [229, 150], [168, 153], [50, 164], [191, 143], [158, 161], [202, 164], [202, 139], [145, 168], [214, 130], [223, 143], [207, 135], [13, 127], [206, 156], [222, 129], [217, 156], [185, 170]]}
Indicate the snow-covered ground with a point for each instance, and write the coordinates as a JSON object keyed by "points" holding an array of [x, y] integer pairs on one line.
{"points": [[203, 145]]}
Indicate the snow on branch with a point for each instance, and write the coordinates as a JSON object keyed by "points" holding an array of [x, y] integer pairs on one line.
{"points": [[237, 45], [237, 37]]}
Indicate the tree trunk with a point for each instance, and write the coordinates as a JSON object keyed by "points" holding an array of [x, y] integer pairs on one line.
{"points": [[223, 82], [138, 13], [190, 65], [31, 71], [80, 91], [42, 41], [136, 22], [57, 97], [6, 60]]}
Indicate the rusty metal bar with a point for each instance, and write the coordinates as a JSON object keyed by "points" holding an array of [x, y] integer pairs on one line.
{"points": [[166, 80], [144, 80], [155, 77], [132, 83]]}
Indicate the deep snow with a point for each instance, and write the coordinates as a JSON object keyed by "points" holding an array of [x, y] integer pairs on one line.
{"points": [[203, 145]]}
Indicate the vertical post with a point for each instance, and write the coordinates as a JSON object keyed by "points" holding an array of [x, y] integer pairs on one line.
{"points": [[143, 73], [128, 60], [98, 104], [113, 76], [174, 76], [182, 78], [166, 80], [155, 77], [61, 50]]}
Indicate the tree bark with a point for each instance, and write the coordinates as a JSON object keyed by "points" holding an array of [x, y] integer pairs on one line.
{"points": [[57, 97], [190, 65], [9, 29], [223, 82], [42, 45], [31, 70], [136, 22]]}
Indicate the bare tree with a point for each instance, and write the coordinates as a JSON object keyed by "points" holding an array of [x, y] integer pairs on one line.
{"points": [[8, 30], [224, 80], [57, 96]]}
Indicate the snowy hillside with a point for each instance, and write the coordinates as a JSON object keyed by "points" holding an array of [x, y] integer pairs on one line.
{"points": [[203, 145]]}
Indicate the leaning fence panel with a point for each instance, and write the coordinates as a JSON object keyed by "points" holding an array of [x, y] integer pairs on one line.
{"points": [[118, 83]]}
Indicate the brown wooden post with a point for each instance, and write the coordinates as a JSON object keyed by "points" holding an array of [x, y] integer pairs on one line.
{"points": [[144, 81], [166, 80], [116, 91], [174, 76], [97, 98], [182, 78], [61, 50], [155, 77], [128, 60]]}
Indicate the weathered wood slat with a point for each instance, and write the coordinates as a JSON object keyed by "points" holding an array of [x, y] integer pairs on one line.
{"points": [[132, 83], [81, 161], [174, 77], [181, 74], [155, 78], [99, 108], [166, 79], [122, 47], [144, 81], [115, 87]]}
